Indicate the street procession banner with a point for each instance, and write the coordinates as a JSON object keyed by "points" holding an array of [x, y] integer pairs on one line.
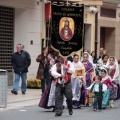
{"points": [[67, 29]]}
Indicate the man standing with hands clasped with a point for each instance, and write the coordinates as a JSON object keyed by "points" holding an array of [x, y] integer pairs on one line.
{"points": [[20, 61], [62, 71]]}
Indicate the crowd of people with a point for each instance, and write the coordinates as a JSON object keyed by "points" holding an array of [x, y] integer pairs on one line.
{"points": [[73, 82], [78, 80]]}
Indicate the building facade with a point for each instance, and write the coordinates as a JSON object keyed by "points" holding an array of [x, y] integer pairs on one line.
{"points": [[109, 27], [21, 21]]}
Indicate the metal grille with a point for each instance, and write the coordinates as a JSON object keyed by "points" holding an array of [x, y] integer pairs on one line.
{"points": [[3, 88], [6, 37]]}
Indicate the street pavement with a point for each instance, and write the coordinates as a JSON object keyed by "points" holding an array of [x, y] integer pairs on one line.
{"points": [[31, 97], [36, 113], [25, 107]]}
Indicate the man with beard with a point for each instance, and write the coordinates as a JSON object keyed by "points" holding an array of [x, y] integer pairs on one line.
{"points": [[66, 32]]}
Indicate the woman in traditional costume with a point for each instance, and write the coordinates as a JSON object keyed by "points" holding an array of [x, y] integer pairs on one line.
{"points": [[107, 81], [48, 98], [77, 80], [94, 57], [113, 71], [103, 61], [45, 96], [89, 74]]}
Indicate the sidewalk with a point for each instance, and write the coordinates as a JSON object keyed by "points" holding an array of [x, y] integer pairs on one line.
{"points": [[32, 97]]}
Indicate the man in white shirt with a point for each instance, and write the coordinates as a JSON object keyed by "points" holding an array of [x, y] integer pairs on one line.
{"points": [[62, 71]]}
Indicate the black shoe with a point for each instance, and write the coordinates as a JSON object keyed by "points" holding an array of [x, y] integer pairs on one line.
{"points": [[87, 105], [14, 92], [79, 107], [23, 93], [53, 110], [70, 112], [94, 109], [58, 114]]}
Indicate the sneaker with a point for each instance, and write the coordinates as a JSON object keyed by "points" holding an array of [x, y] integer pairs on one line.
{"points": [[70, 112], [112, 106], [14, 92]]}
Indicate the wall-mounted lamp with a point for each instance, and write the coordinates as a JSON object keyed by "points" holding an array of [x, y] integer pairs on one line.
{"points": [[91, 9]]}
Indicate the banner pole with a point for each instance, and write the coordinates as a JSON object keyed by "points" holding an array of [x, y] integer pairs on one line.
{"points": [[67, 2]]}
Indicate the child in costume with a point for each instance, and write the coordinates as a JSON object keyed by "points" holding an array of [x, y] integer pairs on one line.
{"points": [[97, 88]]}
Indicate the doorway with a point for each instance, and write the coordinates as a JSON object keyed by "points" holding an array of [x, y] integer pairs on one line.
{"points": [[107, 39], [87, 36]]}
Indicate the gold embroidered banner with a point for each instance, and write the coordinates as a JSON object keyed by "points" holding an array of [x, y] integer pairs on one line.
{"points": [[67, 29]]}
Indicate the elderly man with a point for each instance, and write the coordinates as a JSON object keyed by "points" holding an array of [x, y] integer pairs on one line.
{"points": [[20, 61], [62, 71]]}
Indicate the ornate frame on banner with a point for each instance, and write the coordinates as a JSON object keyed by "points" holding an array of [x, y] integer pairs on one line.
{"points": [[67, 29]]}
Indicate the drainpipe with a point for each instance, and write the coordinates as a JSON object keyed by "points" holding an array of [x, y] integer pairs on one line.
{"points": [[96, 32]]}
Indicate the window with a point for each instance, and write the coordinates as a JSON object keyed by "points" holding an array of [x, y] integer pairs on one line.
{"points": [[107, 12]]}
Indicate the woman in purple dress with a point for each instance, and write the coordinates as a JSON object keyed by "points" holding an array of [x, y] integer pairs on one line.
{"points": [[89, 74]]}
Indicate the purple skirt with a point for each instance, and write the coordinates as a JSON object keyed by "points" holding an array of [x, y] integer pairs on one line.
{"points": [[44, 99]]}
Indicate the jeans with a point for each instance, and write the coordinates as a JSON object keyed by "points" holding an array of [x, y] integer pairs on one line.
{"points": [[16, 82]]}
